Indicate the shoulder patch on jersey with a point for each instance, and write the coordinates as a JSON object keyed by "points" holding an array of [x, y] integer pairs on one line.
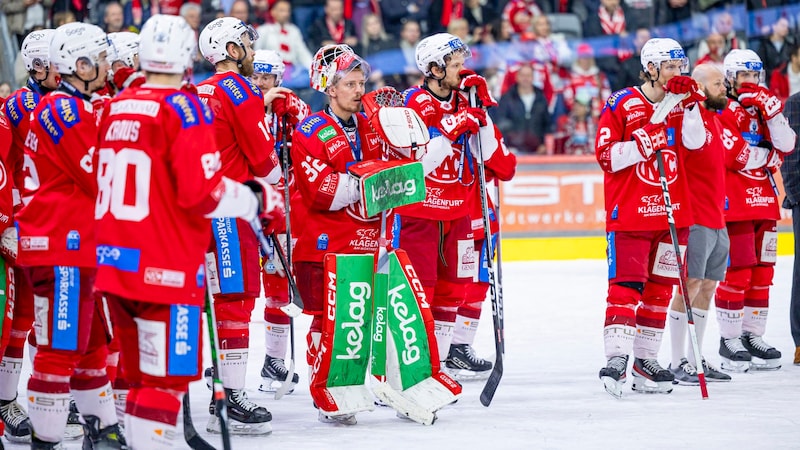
{"points": [[616, 97], [13, 111], [67, 109], [326, 133], [636, 101], [208, 116], [186, 109], [48, 122], [253, 88], [234, 89], [29, 100], [310, 125]]}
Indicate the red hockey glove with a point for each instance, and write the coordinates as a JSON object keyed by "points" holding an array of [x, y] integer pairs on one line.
{"points": [[291, 108], [126, 77], [651, 138], [468, 120], [469, 80], [271, 209], [755, 96], [9, 243], [686, 86]]}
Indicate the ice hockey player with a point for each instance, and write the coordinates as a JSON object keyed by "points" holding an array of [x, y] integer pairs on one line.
{"points": [[42, 79], [707, 248], [642, 264], [751, 212], [247, 152], [437, 234], [125, 65], [165, 136], [8, 250], [324, 146], [284, 110], [59, 256]]}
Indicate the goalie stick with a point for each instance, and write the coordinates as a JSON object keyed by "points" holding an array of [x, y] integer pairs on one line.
{"points": [[670, 101], [489, 389]]}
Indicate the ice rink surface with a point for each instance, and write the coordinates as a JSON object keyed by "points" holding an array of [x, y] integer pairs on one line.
{"points": [[550, 395]]}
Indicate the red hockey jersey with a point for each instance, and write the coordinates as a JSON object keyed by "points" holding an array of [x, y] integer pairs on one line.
{"points": [[240, 128], [6, 184], [56, 228], [705, 169], [321, 152], [18, 109], [158, 174], [633, 196]]}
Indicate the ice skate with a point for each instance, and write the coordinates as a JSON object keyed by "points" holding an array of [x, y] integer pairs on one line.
{"points": [[649, 377], [735, 357], [614, 375], [245, 418], [714, 375], [463, 364], [74, 429], [18, 425], [108, 438], [36, 444], [273, 375], [685, 374], [337, 419], [764, 356]]}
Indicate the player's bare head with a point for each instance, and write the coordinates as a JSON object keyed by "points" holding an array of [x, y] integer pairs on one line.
{"points": [[662, 59], [712, 80], [441, 57], [742, 66]]}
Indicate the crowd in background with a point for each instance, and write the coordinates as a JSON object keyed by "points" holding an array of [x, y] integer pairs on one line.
{"points": [[551, 63]]}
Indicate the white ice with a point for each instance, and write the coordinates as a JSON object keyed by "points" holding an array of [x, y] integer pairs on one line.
{"points": [[550, 395]]}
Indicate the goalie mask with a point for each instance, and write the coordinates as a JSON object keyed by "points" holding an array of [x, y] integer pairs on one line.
{"points": [[332, 63], [401, 129]]}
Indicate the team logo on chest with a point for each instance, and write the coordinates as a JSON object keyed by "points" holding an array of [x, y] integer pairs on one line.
{"points": [[647, 171]]}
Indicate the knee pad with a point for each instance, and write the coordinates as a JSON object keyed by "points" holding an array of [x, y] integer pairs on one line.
{"points": [[621, 304], [448, 295], [275, 315], [762, 276], [758, 294], [655, 301], [737, 280], [54, 362], [475, 292]]}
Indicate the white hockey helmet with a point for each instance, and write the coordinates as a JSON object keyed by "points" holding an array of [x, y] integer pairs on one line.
{"points": [[738, 60], [658, 50], [270, 63], [434, 49], [167, 45], [218, 33], [74, 41], [126, 46], [332, 63], [36, 49]]}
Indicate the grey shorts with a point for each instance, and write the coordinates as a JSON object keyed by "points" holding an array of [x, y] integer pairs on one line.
{"points": [[707, 253]]}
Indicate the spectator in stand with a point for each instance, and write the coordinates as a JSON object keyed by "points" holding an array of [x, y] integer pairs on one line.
{"points": [[260, 10], [356, 10], [62, 17], [23, 15], [586, 80], [774, 49], [78, 8], [113, 18], [173, 7], [609, 20], [630, 68], [639, 14], [332, 28], [522, 114], [5, 90], [396, 13], [479, 15], [441, 13], [723, 24], [374, 38], [240, 9], [672, 11], [305, 13], [192, 13], [520, 14], [785, 79], [136, 13], [575, 132], [716, 51], [460, 28], [285, 38], [405, 71]]}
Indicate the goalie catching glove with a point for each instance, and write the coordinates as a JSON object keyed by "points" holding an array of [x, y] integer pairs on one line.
{"points": [[401, 128]]}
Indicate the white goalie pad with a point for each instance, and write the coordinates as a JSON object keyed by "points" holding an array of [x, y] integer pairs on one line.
{"points": [[403, 131]]}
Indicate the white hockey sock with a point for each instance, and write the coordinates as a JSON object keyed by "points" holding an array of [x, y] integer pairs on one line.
{"points": [[48, 413], [465, 329], [677, 336], [700, 317], [120, 402], [97, 402], [31, 351], [647, 342], [277, 339], [730, 322], [10, 371], [233, 367], [755, 320], [618, 340], [444, 337], [149, 434]]}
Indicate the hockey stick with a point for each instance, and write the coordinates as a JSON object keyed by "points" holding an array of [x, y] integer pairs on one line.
{"points": [[287, 383], [666, 105], [295, 307], [220, 406], [190, 435], [499, 271], [493, 382]]}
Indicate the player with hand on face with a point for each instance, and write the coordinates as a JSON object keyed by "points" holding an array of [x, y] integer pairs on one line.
{"points": [[642, 264]]}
